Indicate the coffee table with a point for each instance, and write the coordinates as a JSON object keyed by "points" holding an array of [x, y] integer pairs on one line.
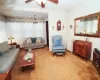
{"points": [[24, 64]]}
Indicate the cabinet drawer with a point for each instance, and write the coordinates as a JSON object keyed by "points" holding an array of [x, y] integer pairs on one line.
{"points": [[84, 53]]}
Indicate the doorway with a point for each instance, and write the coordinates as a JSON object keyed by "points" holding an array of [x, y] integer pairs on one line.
{"points": [[47, 33]]}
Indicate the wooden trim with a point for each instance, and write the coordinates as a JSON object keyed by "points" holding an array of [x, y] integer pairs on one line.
{"points": [[88, 16], [99, 25]]}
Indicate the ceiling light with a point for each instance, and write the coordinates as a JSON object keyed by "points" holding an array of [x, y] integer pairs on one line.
{"points": [[40, 1]]}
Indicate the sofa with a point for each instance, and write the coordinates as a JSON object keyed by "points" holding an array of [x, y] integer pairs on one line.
{"points": [[8, 56], [32, 43]]}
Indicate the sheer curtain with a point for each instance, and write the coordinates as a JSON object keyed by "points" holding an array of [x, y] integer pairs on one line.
{"points": [[3, 36], [20, 31]]}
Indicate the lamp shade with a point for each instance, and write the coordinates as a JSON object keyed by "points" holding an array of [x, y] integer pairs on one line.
{"points": [[10, 38]]}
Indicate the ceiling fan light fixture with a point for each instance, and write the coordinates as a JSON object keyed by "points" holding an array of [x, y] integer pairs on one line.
{"points": [[43, 1]]}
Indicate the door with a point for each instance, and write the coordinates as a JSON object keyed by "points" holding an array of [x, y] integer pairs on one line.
{"points": [[47, 33]]}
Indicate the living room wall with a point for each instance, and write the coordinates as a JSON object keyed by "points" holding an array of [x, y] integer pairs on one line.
{"points": [[53, 16], [82, 10]]}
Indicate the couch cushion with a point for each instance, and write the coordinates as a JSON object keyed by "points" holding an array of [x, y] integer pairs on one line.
{"points": [[58, 47], [4, 47], [1, 53], [38, 40], [38, 44], [30, 45], [8, 59], [57, 42], [33, 40], [28, 40], [13, 52]]}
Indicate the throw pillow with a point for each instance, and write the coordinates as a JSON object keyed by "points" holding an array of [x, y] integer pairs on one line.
{"points": [[29, 40], [4, 47], [38, 40], [33, 40]]}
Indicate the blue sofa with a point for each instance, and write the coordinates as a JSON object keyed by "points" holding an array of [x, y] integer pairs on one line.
{"points": [[8, 58]]}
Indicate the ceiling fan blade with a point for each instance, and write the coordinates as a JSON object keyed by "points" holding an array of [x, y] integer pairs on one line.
{"points": [[42, 5], [54, 1], [27, 1]]}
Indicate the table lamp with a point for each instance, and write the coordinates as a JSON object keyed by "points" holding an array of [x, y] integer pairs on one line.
{"points": [[11, 38]]}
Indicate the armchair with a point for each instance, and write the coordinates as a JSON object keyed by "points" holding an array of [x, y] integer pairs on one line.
{"points": [[57, 47]]}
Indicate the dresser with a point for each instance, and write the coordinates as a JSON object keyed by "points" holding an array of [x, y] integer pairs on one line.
{"points": [[82, 48]]}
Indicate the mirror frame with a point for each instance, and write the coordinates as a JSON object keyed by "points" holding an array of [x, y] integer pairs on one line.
{"points": [[88, 16]]}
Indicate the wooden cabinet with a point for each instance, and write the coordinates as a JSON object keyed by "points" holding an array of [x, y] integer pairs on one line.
{"points": [[82, 48]]}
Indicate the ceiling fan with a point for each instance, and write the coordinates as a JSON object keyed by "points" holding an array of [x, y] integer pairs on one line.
{"points": [[42, 2]]}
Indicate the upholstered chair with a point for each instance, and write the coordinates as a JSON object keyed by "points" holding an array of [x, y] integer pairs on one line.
{"points": [[57, 47]]}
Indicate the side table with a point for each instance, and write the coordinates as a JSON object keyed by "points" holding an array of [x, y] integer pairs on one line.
{"points": [[14, 43], [17, 45]]}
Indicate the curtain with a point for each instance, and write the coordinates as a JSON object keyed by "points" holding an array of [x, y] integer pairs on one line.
{"points": [[20, 31], [3, 36]]}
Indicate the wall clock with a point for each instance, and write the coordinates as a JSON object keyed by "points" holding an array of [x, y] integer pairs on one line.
{"points": [[58, 25]]}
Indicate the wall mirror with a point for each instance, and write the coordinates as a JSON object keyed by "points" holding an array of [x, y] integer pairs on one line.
{"points": [[88, 25]]}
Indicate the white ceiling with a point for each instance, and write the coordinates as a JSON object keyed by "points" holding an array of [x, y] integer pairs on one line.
{"points": [[62, 5]]}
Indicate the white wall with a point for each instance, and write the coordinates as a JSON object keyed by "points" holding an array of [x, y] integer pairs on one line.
{"points": [[91, 6], [53, 17]]}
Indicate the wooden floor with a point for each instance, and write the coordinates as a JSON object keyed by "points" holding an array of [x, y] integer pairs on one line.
{"points": [[47, 67]]}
